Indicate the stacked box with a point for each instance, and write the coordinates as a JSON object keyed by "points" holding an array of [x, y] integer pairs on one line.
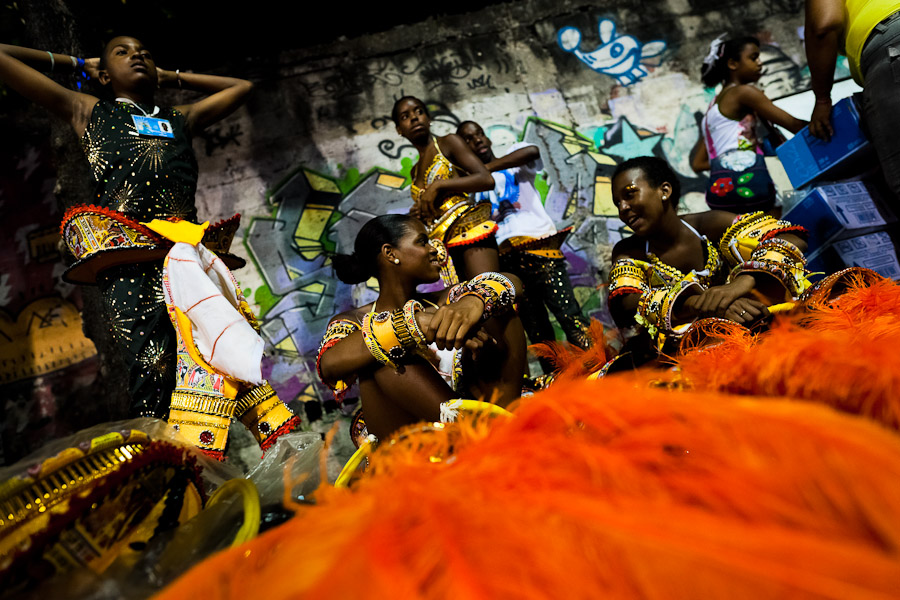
{"points": [[807, 158], [873, 251], [838, 211]]}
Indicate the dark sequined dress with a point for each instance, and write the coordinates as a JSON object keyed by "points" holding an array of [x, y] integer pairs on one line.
{"points": [[145, 178]]}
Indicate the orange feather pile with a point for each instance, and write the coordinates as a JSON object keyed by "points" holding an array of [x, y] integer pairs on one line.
{"points": [[843, 354], [597, 489]]}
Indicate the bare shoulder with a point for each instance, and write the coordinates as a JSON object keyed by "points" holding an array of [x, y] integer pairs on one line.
{"points": [[354, 314], [450, 138], [450, 143], [712, 223], [630, 247]]}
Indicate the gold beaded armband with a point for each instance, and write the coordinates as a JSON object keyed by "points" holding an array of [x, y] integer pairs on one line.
{"points": [[374, 345], [782, 260], [392, 336], [742, 237], [496, 291], [409, 317], [335, 332], [626, 277], [656, 308]]}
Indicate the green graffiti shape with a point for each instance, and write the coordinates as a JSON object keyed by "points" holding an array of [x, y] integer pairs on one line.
{"points": [[542, 187], [265, 299], [350, 180]]}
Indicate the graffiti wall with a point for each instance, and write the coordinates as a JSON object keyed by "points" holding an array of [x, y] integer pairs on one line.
{"points": [[316, 153]]}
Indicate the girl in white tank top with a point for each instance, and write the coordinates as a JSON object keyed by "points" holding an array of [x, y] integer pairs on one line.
{"points": [[739, 181]]}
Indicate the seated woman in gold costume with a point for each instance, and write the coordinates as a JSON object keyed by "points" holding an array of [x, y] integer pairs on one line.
{"points": [[446, 173], [412, 352], [675, 270]]}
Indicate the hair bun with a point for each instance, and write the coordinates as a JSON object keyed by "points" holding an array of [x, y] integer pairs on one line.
{"points": [[349, 268]]}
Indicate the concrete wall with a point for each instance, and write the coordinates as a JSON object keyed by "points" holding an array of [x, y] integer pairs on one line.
{"points": [[315, 154]]}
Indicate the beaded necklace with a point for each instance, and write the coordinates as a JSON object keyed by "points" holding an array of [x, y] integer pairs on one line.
{"points": [[670, 274]]}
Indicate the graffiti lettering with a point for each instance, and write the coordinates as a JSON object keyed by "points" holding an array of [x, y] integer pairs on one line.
{"points": [[349, 82], [449, 69], [380, 122], [386, 147], [481, 81]]}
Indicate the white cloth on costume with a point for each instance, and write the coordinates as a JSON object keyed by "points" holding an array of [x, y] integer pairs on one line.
{"points": [[199, 284]]}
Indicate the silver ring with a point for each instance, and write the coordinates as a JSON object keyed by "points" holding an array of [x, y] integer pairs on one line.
{"points": [[743, 312]]}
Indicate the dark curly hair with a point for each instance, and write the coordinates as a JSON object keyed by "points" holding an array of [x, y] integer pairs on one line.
{"points": [[363, 263], [713, 74], [656, 171]]}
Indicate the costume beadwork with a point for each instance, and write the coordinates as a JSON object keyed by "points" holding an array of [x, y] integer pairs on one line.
{"points": [[462, 221], [219, 350]]}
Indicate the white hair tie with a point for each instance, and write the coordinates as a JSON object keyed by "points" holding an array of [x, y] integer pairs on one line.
{"points": [[715, 50]]}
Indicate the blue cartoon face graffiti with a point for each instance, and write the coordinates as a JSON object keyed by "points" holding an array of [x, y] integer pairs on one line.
{"points": [[618, 56]]}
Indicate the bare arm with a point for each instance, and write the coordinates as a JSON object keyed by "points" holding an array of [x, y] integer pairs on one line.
{"points": [[478, 178], [345, 359], [520, 157], [227, 94], [17, 70], [699, 156], [823, 32], [752, 99]]}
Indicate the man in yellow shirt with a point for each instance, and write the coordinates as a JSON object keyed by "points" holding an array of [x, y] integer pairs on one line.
{"points": [[869, 31]]}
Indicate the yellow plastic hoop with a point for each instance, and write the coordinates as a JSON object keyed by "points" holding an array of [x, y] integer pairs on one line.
{"points": [[343, 480], [250, 497]]}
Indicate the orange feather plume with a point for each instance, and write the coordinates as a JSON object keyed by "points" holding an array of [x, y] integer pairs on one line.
{"points": [[597, 489], [841, 353], [571, 361]]}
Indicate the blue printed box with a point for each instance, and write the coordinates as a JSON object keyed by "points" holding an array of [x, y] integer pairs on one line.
{"points": [[872, 251], [807, 158], [838, 211]]}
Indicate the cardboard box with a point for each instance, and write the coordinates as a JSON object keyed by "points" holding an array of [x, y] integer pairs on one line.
{"points": [[807, 158], [873, 251], [838, 211]]}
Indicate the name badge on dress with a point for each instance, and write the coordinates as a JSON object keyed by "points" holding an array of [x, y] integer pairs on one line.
{"points": [[153, 126]]}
